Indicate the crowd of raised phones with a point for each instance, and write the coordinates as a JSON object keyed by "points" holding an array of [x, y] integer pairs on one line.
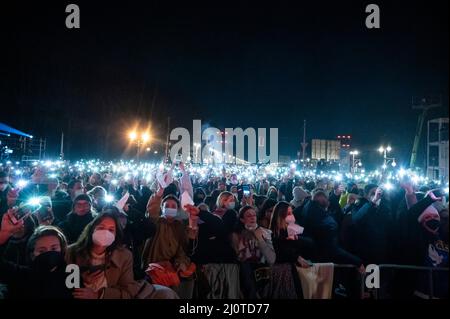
{"points": [[214, 238]]}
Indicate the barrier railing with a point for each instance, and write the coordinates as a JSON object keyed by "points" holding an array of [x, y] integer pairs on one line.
{"points": [[430, 271]]}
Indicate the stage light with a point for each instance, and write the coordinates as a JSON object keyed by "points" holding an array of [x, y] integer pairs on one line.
{"points": [[109, 198]]}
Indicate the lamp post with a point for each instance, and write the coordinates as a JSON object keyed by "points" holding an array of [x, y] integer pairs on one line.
{"points": [[353, 160], [140, 140], [386, 160]]}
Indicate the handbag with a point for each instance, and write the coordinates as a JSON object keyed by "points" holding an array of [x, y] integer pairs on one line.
{"points": [[163, 274]]}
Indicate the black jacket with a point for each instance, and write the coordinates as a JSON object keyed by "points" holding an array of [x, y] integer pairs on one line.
{"points": [[25, 282], [214, 244], [74, 225], [323, 229], [371, 227]]}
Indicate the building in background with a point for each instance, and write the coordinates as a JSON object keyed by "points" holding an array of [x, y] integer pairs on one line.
{"points": [[328, 150], [437, 149]]}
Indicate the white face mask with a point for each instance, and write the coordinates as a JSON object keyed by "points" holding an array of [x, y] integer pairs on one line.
{"points": [[103, 237], [231, 205], [170, 212], [290, 219], [78, 192], [251, 227]]}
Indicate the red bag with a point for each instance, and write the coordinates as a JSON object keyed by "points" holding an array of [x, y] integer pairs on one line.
{"points": [[163, 274], [190, 270]]}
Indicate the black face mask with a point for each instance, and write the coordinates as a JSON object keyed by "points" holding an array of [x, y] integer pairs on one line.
{"points": [[45, 262], [432, 225]]}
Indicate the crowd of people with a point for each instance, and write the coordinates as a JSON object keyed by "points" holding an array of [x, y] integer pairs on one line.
{"points": [[180, 231]]}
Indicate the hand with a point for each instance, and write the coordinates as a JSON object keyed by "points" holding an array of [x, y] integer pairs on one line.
{"points": [[7, 225], [126, 207], [351, 199], [303, 263], [377, 196], [191, 209], [181, 166], [408, 187], [433, 196], [247, 200], [85, 293], [181, 267], [89, 278], [362, 269], [259, 234]]}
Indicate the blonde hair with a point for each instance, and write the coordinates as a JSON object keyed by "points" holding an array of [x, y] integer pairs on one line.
{"points": [[222, 196]]}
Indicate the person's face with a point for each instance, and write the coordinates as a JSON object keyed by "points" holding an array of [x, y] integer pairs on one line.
{"points": [[249, 217], [233, 189], [227, 201], [82, 207], [107, 224], [4, 181], [269, 213], [222, 187], [371, 193], [45, 244], [170, 204], [94, 179], [289, 211]]}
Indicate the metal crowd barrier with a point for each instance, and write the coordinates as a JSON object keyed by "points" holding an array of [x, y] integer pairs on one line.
{"points": [[430, 271]]}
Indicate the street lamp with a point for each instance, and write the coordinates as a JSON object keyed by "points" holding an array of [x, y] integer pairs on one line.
{"points": [[140, 140], [384, 150], [353, 163]]}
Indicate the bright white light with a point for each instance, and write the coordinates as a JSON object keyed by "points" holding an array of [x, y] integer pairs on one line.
{"points": [[18, 172], [338, 178], [384, 166], [34, 201], [52, 176], [389, 149], [114, 182], [17, 163], [109, 198], [388, 186], [8, 163], [401, 172], [394, 164], [22, 183], [293, 166], [381, 149], [446, 190]]}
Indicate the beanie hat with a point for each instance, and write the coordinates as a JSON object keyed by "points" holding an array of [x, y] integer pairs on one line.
{"points": [[83, 197]]}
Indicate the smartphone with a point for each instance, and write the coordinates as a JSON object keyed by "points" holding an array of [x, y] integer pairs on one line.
{"points": [[246, 190], [21, 212], [44, 213]]}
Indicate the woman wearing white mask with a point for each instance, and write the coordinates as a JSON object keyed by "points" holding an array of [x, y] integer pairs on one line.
{"points": [[225, 209], [169, 246], [253, 246], [106, 266]]}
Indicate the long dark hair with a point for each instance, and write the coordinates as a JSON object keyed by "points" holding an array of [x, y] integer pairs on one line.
{"points": [[84, 244], [279, 213], [267, 204]]}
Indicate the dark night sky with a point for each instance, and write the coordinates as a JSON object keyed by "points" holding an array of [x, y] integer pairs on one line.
{"points": [[229, 64]]}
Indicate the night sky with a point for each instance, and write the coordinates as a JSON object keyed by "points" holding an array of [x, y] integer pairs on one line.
{"points": [[229, 64]]}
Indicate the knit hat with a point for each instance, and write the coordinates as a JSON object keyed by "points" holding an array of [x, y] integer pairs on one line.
{"points": [[299, 193], [83, 197]]}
